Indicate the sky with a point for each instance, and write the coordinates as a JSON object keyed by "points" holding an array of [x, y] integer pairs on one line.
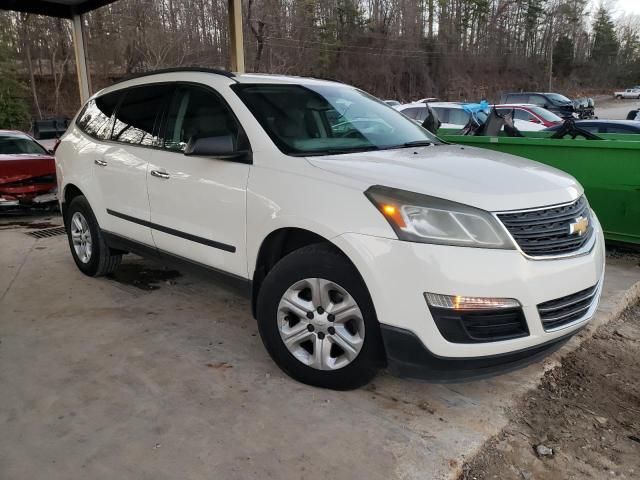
{"points": [[631, 6], [624, 6]]}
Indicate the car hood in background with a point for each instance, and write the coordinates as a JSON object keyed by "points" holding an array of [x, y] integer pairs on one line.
{"points": [[482, 178]]}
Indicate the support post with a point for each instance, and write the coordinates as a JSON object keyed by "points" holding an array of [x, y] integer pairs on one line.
{"points": [[84, 80], [235, 36]]}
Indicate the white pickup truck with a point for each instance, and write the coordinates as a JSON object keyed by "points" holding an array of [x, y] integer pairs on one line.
{"points": [[628, 93]]}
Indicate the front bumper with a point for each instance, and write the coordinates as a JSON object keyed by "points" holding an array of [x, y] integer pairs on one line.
{"points": [[398, 273], [29, 198], [408, 357]]}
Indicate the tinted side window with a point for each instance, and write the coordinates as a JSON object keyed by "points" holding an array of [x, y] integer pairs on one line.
{"points": [[443, 114], [457, 116], [537, 100], [137, 114], [422, 114], [197, 112], [411, 112], [95, 119], [524, 115], [517, 98]]}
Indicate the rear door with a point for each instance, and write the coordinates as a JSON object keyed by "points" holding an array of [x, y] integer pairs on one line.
{"points": [[198, 204], [121, 171]]}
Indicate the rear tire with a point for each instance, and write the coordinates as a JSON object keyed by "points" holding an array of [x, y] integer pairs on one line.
{"points": [[323, 281], [88, 246]]}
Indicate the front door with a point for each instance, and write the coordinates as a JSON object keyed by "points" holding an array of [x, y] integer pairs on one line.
{"points": [[198, 204]]}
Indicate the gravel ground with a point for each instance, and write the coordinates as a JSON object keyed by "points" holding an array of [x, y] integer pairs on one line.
{"points": [[582, 422], [615, 109]]}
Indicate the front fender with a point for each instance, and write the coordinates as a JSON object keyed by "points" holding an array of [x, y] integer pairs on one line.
{"points": [[280, 199]]}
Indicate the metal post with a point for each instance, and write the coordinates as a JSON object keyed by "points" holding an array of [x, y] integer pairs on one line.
{"points": [[551, 46], [235, 35], [84, 81]]}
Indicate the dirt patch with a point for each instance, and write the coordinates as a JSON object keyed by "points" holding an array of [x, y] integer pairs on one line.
{"points": [[627, 252], [582, 422], [143, 277]]}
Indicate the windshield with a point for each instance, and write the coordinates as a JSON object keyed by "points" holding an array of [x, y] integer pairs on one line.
{"points": [[328, 119], [557, 98], [546, 114], [13, 144]]}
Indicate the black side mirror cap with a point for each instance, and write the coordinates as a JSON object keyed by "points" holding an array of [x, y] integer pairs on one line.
{"points": [[221, 146]]}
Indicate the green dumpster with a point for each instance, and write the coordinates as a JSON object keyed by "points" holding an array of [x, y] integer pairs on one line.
{"points": [[609, 171]]}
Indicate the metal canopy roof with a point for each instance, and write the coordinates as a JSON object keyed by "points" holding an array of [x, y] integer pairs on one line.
{"points": [[54, 8]]}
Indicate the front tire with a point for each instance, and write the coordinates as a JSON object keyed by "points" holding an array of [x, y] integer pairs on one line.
{"points": [[317, 321], [88, 246]]}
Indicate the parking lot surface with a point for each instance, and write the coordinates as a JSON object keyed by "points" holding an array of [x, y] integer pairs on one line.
{"points": [[612, 109], [161, 374]]}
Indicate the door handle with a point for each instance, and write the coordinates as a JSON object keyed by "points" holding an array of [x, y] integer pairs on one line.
{"points": [[100, 163], [159, 174]]}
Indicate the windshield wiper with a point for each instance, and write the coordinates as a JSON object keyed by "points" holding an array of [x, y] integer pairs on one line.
{"points": [[339, 151], [417, 143]]}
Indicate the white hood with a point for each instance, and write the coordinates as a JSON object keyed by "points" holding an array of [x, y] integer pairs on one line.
{"points": [[481, 178]]}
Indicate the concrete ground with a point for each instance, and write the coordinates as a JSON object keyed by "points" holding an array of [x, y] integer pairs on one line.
{"points": [[104, 380]]}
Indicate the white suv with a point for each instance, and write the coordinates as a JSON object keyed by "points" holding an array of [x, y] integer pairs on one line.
{"points": [[365, 240]]}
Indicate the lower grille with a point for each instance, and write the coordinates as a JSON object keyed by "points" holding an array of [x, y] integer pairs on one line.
{"points": [[480, 326], [564, 310], [552, 230]]}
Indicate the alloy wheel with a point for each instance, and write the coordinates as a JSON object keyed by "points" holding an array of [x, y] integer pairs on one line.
{"points": [[81, 237], [321, 324]]}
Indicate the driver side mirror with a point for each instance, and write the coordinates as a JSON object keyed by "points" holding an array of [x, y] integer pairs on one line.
{"points": [[221, 146]]}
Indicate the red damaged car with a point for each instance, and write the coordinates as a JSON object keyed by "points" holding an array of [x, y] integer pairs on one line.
{"points": [[27, 171]]}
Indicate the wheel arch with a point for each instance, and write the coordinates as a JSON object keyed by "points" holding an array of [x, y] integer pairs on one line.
{"points": [[278, 244], [70, 192]]}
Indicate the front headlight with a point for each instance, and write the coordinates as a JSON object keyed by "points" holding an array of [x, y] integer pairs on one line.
{"points": [[421, 218]]}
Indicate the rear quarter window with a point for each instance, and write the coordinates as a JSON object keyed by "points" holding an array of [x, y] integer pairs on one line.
{"points": [[95, 117]]}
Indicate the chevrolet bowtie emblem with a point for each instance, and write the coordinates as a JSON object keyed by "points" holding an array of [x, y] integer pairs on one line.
{"points": [[579, 226]]}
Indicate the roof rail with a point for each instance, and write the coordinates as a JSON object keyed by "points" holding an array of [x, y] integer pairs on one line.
{"points": [[217, 71]]}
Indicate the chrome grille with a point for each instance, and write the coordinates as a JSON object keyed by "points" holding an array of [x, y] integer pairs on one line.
{"points": [[564, 310], [547, 231]]}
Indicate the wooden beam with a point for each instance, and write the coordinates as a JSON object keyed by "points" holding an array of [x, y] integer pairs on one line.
{"points": [[236, 43]]}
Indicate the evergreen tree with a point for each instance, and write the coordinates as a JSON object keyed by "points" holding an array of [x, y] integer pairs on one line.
{"points": [[605, 42], [563, 56], [14, 111]]}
